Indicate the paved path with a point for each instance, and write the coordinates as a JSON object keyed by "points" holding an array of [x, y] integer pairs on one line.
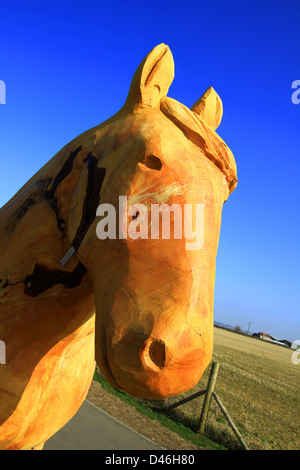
{"points": [[93, 429]]}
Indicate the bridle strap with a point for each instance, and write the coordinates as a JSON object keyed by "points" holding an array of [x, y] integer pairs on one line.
{"points": [[91, 201], [67, 256]]}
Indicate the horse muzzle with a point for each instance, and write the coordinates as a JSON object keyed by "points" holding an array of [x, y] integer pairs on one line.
{"points": [[153, 366]]}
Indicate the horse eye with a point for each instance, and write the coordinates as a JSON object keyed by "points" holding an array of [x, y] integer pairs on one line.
{"points": [[152, 162], [135, 216]]}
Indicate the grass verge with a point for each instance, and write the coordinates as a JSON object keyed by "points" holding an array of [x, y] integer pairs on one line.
{"points": [[184, 431]]}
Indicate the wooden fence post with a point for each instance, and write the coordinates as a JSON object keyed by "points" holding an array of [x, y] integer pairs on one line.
{"points": [[231, 423], [207, 399]]}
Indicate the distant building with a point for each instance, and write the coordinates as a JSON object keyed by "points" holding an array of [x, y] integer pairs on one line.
{"points": [[266, 337]]}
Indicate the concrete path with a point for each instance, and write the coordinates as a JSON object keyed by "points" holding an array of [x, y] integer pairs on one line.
{"points": [[93, 429]]}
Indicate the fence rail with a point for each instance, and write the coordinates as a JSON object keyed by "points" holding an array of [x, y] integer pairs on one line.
{"points": [[209, 394]]}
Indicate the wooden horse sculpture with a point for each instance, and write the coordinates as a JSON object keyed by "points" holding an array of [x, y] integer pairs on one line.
{"points": [[141, 307]]}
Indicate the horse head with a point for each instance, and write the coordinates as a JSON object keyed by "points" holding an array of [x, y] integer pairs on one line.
{"points": [[154, 294]]}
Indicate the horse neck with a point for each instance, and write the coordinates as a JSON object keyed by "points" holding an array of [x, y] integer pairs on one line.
{"points": [[34, 223]]}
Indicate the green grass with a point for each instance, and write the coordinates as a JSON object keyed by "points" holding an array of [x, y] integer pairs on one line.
{"points": [[184, 431]]}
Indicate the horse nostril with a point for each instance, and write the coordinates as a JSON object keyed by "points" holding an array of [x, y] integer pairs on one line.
{"points": [[157, 353]]}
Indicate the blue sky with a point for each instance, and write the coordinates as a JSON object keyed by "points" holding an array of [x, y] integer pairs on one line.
{"points": [[68, 65]]}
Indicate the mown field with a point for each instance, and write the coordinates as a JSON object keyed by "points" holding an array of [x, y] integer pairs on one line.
{"points": [[259, 386]]}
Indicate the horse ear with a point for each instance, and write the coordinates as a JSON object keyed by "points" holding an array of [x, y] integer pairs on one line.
{"points": [[152, 78], [209, 108]]}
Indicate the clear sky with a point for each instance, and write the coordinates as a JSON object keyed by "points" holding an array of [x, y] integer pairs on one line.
{"points": [[67, 66]]}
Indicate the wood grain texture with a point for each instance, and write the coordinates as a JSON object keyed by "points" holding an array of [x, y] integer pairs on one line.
{"points": [[143, 308]]}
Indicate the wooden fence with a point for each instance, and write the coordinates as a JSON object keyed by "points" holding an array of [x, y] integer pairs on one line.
{"points": [[209, 394]]}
